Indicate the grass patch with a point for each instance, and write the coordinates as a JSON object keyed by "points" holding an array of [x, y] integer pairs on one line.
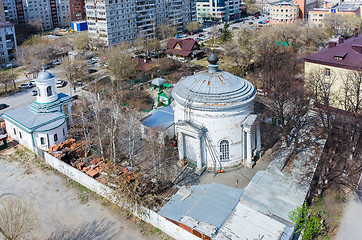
{"points": [[84, 194]]}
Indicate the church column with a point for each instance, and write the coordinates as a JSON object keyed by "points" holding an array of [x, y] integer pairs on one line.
{"points": [[199, 149], [180, 145], [248, 147], [258, 138], [70, 114]]}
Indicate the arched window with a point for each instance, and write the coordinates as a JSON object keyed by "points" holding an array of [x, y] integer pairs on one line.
{"points": [[42, 141], [14, 131], [38, 91], [49, 91], [55, 137], [20, 135], [63, 132], [224, 150]]}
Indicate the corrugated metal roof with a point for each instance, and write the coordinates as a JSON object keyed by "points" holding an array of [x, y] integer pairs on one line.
{"points": [[161, 119], [247, 223], [213, 91], [211, 203]]}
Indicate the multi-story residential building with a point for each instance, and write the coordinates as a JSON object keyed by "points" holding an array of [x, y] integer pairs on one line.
{"points": [[283, 12], [113, 21], [44, 14], [336, 65], [218, 10], [316, 15], [7, 43]]}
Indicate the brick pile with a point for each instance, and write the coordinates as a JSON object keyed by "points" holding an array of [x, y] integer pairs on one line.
{"points": [[93, 170]]}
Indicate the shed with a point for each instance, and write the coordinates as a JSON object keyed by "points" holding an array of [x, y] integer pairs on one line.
{"points": [[164, 96], [161, 120]]}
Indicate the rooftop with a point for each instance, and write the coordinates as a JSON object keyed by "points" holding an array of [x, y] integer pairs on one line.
{"points": [[213, 91], [33, 121], [161, 118], [203, 205], [351, 49]]}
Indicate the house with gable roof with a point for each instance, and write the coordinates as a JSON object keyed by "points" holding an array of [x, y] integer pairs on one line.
{"points": [[185, 48]]}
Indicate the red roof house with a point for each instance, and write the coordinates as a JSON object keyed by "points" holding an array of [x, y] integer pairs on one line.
{"points": [[182, 47]]}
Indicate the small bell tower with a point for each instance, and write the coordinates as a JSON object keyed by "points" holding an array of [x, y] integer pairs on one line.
{"points": [[46, 88]]}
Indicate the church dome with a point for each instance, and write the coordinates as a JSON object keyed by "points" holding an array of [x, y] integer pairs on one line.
{"points": [[213, 90], [44, 76]]}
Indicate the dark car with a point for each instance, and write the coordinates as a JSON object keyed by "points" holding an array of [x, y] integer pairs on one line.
{"points": [[3, 106]]}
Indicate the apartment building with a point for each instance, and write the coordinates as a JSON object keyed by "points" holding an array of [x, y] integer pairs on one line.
{"points": [[283, 13], [114, 21], [7, 43], [44, 14], [316, 15], [218, 10]]}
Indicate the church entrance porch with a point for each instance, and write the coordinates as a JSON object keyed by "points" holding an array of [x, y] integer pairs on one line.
{"points": [[190, 144]]}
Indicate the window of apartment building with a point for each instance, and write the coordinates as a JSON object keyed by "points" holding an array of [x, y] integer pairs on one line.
{"points": [[327, 72]]}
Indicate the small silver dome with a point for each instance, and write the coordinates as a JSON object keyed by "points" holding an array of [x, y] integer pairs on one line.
{"points": [[44, 76]]}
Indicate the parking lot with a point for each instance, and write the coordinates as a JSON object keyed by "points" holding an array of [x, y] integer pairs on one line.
{"points": [[249, 22], [24, 96]]}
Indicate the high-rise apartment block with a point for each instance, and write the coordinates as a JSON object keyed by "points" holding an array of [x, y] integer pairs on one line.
{"points": [[219, 10], [7, 43], [114, 21], [44, 14]]}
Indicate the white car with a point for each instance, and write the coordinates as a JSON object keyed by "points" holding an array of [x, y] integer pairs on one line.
{"points": [[60, 83]]}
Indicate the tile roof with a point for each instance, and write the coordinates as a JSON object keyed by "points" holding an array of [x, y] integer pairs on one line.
{"points": [[345, 55]]}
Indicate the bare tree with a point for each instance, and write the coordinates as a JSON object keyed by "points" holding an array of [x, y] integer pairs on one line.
{"points": [[17, 219], [351, 92], [193, 26], [320, 87], [120, 62], [5, 80], [166, 31]]}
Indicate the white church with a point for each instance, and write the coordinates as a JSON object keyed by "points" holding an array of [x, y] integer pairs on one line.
{"points": [[44, 122], [213, 119]]}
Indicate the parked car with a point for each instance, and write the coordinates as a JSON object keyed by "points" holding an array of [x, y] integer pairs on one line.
{"points": [[34, 92], [3, 106], [26, 85], [153, 55], [60, 83]]}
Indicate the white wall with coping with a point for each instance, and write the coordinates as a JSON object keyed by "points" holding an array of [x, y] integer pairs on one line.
{"points": [[148, 215]]}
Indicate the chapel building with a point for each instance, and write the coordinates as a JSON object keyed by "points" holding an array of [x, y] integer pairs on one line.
{"points": [[214, 119], [44, 122]]}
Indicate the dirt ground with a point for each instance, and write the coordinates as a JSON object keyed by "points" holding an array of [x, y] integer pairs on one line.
{"points": [[66, 210]]}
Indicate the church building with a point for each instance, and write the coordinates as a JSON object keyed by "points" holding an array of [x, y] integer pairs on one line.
{"points": [[214, 119], [44, 122]]}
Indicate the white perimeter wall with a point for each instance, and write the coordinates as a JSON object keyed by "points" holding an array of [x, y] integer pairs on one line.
{"points": [[150, 217]]}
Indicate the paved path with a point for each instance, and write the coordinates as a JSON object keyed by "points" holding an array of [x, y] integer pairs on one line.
{"points": [[351, 226]]}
